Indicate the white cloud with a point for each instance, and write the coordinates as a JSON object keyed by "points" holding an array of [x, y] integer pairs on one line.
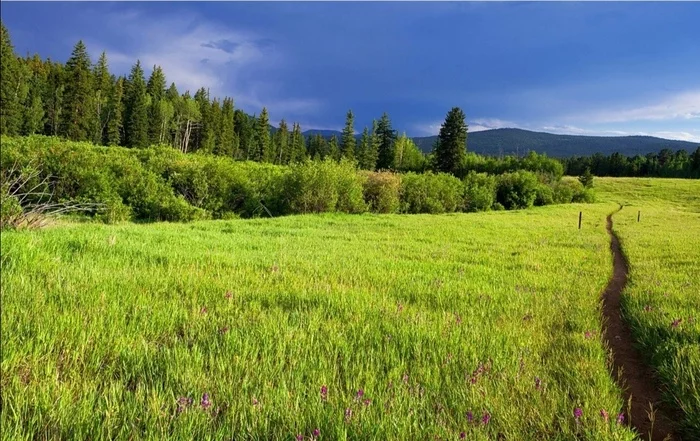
{"points": [[196, 53], [683, 106]]}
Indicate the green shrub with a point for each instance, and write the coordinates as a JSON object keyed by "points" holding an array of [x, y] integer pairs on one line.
{"points": [[544, 195], [381, 191], [516, 190], [430, 193], [479, 191]]}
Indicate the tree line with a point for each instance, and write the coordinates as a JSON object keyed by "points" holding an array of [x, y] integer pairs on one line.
{"points": [[665, 163], [82, 101]]}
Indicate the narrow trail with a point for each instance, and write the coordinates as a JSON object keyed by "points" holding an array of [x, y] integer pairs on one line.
{"points": [[632, 375]]}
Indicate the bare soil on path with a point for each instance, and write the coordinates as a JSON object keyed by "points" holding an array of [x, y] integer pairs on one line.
{"points": [[634, 377]]}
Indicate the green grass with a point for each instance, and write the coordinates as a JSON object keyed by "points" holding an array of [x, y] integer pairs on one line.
{"points": [[104, 328], [664, 286]]}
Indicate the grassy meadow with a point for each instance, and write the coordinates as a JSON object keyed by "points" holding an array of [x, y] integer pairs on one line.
{"points": [[662, 299], [482, 326]]}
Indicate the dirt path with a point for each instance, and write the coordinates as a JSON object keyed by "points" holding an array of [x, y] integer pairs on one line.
{"points": [[635, 378]]}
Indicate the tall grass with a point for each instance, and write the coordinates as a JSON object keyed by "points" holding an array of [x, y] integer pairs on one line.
{"points": [[417, 326]]}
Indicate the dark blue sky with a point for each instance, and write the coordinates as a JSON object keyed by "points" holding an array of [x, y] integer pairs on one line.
{"points": [[581, 68]]}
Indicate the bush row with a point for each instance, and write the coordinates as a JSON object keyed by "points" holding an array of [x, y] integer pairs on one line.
{"points": [[160, 183]]}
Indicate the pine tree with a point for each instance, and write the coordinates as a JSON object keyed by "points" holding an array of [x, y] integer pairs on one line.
{"points": [[204, 137], [298, 145], [33, 114], [214, 124], [334, 148], [10, 86], [386, 136], [171, 130], [77, 121], [586, 178], [136, 109], [372, 155], [53, 98], [347, 139], [262, 149], [115, 125], [450, 149], [102, 81], [157, 110], [245, 132], [281, 143], [363, 150], [228, 141]]}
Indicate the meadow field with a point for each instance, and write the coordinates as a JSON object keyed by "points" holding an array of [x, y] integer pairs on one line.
{"points": [[456, 326], [662, 299]]}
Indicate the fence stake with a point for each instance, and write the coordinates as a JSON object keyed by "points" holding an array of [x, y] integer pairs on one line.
{"points": [[639, 214], [580, 214]]}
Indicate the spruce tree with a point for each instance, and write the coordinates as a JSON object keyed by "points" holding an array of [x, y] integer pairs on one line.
{"points": [[33, 114], [228, 141], [334, 148], [450, 149], [103, 90], [10, 84], [363, 150], [281, 143], [372, 155], [347, 139], [386, 136], [214, 124], [136, 109], [157, 110], [245, 132], [115, 124], [298, 145], [262, 148], [53, 98], [77, 121]]}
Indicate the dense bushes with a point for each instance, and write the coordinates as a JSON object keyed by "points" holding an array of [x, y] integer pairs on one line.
{"points": [[160, 183]]}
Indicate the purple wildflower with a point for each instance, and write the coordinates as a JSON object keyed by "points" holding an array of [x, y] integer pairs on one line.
{"points": [[183, 403], [470, 416], [256, 403], [676, 322], [316, 433], [485, 418], [647, 308], [300, 437], [348, 414], [205, 403], [367, 402], [405, 378], [604, 415], [324, 392], [588, 335], [458, 319], [578, 413], [399, 307], [620, 418], [229, 294], [538, 383], [223, 330], [462, 435], [360, 394], [203, 310]]}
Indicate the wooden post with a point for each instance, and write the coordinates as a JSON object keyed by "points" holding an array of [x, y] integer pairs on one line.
{"points": [[639, 214], [580, 215]]}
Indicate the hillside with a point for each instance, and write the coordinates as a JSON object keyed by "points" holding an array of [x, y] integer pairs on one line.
{"points": [[518, 141]]}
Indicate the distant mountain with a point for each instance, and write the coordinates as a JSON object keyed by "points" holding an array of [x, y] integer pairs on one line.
{"points": [[518, 141]]}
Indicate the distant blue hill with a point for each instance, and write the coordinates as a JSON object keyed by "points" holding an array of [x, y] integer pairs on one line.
{"points": [[518, 142]]}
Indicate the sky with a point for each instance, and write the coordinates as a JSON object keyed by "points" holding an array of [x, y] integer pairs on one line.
{"points": [[588, 68]]}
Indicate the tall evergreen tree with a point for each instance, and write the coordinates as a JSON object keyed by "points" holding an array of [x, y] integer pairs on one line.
{"points": [[115, 124], [77, 116], [136, 109], [362, 151], [298, 145], [347, 139], [372, 155], [450, 149], [262, 148], [53, 98], [386, 136], [334, 148], [245, 132], [157, 110], [214, 123], [228, 140], [10, 86], [33, 114], [281, 143], [103, 91]]}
